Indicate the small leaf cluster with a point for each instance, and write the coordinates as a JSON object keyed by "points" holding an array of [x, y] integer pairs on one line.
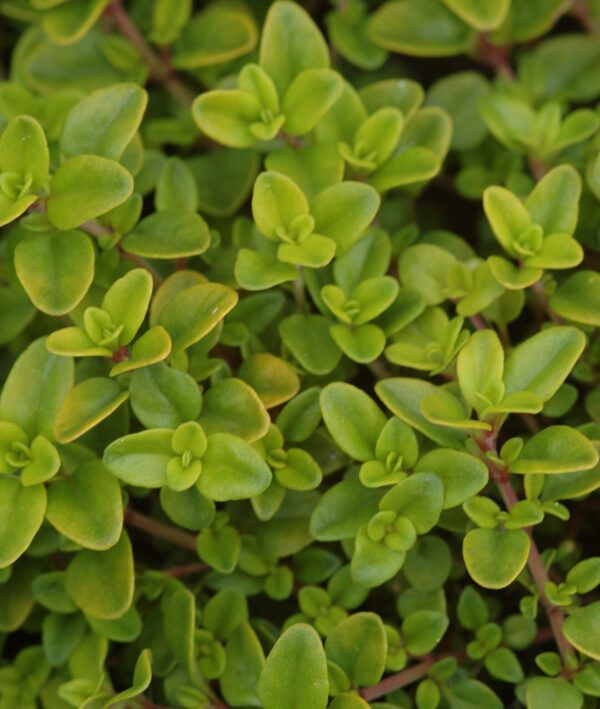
{"points": [[299, 354]]}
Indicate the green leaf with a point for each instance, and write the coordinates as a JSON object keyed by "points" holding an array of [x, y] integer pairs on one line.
{"points": [[410, 165], [482, 16], [194, 312], [21, 515], [585, 575], [232, 469], [224, 179], [428, 564], [310, 95], [231, 406], [556, 449], [276, 202], [24, 151], [374, 563], [541, 690], [101, 583], [141, 458], [225, 115], [420, 28], [176, 188], [462, 474], [459, 94], [342, 510], [162, 397], [506, 214], [542, 363], [403, 398], [271, 377], [66, 24], [245, 661], [142, 676], [511, 276], [309, 340], [307, 687], [359, 646], [419, 498], [152, 347], [87, 507], [35, 389], [291, 42], [578, 298], [16, 598], [169, 234], [60, 636], [479, 362], [86, 405], [55, 270], [343, 212], [216, 35], [423, 630], [219, 548], [85, 187], [104, 122], [494, 557], [581, 630], [257, 271], [363, 343], [127, 300], [352, 418], [554, 201], [503, 664]]}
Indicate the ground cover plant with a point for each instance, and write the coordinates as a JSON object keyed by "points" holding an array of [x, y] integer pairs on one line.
{"points": [[299, 309]]}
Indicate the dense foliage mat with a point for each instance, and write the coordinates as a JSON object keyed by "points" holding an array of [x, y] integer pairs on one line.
{"points": [[299, 309]]}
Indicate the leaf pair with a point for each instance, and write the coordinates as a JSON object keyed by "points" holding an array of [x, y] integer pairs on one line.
{"points": [[290, 93], [306, 234], [108, 330], [536, 233], [221, 465]]}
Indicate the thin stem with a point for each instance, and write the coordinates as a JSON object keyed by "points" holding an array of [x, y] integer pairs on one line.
{"points": [[298, 290], [495, 56], [478, 322], [160, 71], [537, 166], [142, 263], [159, 530], [414, 673], [501, 476], [187, 569], [583, 13], [541, 297], [379, 369], [94, 228], [397, 681]]}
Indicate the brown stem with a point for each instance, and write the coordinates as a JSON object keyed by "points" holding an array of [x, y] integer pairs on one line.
{"points": [[495, 56], [94, 228], [187, 569], [142, 263], [478, 322], [159, 530], [541, 297], [160, 71], [501, 476], [379, 369], [414, 673], [537, 166], [583, 13]]}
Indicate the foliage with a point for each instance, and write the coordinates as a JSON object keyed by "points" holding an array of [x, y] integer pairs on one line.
{"points": [[300, 360]]}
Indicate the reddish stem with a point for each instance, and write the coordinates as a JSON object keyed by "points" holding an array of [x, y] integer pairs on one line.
{"points": [[158, 529]]}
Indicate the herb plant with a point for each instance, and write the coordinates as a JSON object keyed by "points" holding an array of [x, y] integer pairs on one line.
{"points": [[299, 310]]}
